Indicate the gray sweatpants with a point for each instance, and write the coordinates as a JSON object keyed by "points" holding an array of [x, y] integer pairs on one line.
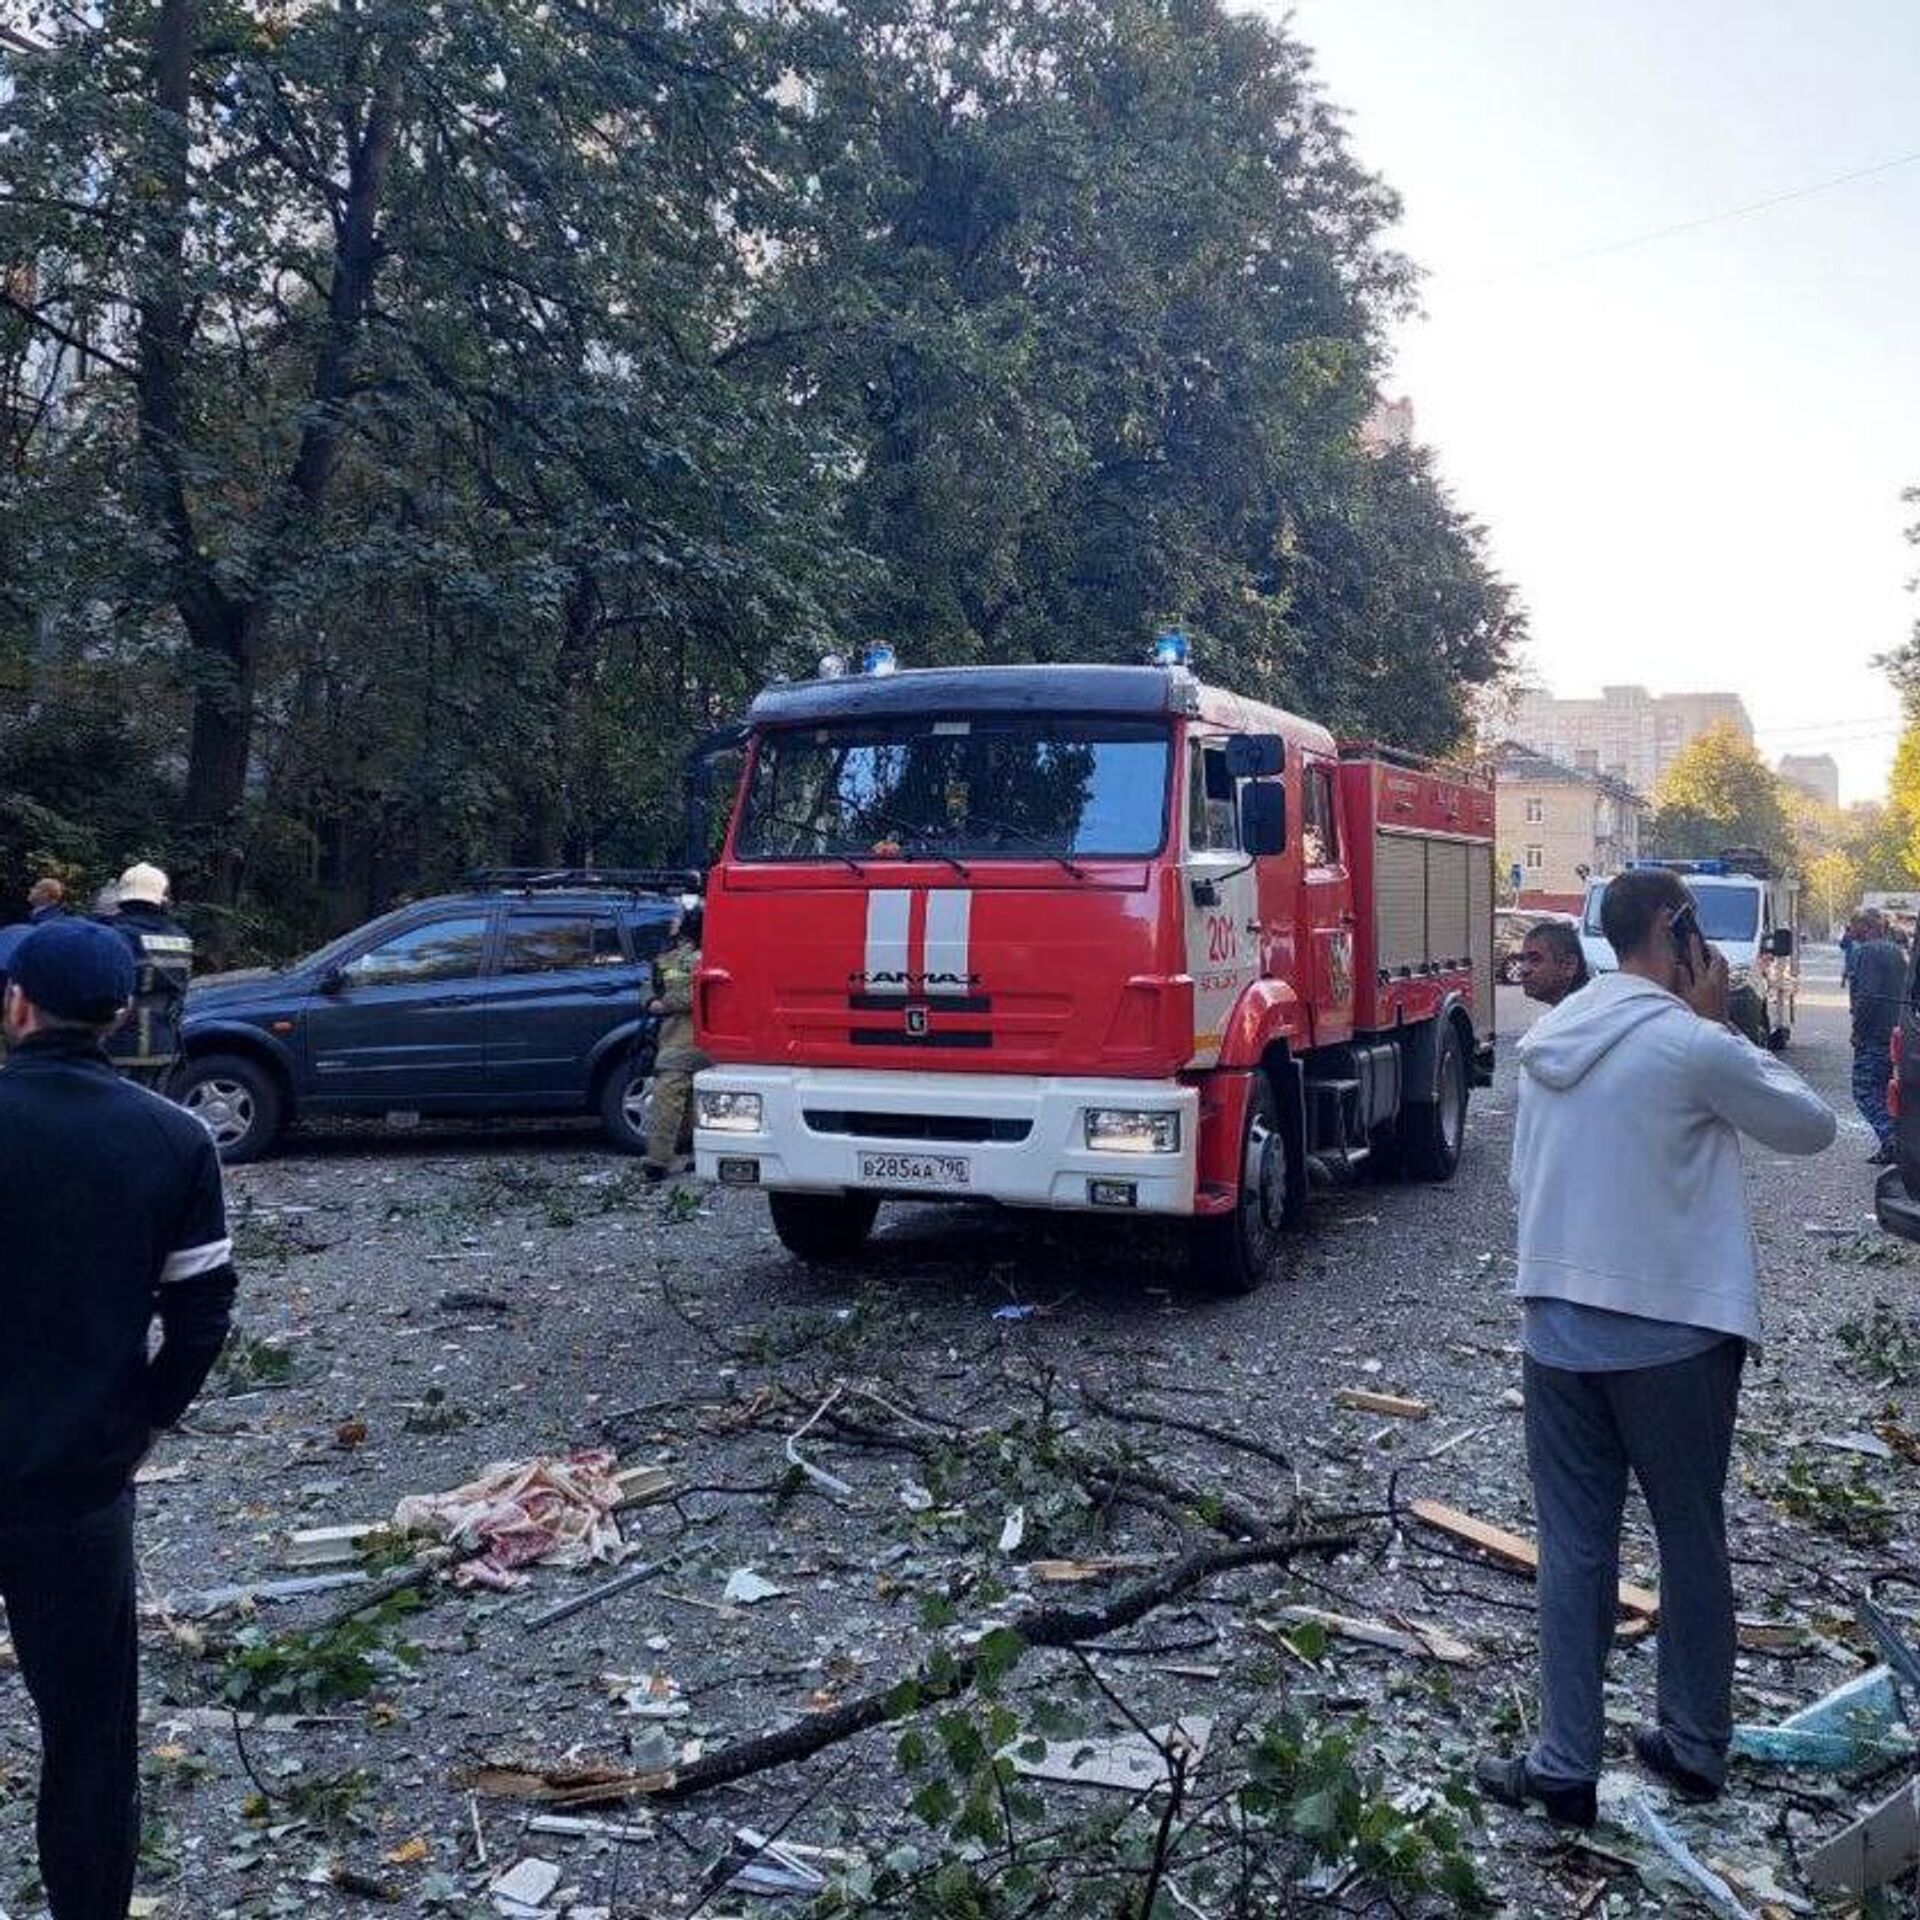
{"points": [[1674, 1427]]}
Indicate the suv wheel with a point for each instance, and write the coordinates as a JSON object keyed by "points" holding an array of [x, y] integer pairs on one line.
{"points": [[236, 1099], [626, 1103]]}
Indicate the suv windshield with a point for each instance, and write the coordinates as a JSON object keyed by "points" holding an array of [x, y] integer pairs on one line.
{"points": [[1726, 913], [1007, 786]]}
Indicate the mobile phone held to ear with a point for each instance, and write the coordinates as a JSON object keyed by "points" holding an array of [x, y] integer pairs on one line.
{"points": [[1684, 924]]}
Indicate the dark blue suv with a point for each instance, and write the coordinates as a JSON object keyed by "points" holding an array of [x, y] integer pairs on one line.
{"points": [[526, 994]]}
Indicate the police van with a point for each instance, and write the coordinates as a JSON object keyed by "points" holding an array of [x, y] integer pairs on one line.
{"points": [[1748, 911]]}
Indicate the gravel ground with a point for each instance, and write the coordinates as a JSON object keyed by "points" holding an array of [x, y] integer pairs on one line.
{"points": [[444, 1302]]}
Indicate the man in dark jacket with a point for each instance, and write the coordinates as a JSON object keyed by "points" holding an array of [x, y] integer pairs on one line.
{"points": [[147, 1043], [113, 1217], [46, 899], [1875, 988]]}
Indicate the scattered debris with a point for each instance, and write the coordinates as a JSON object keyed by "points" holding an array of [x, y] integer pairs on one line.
{"points": [[1013, 1530], [745, 1588], [568, 1826], [825, 1481], [1855, 1725], [1868, 1443], [583, 1784], [781, 1866], [521, 1513], [1070, 1572], [524, 1887], [1516, 1551], [1703, 1880], [1413, 1636], [580, 1602], [647, 1696], [257, 1593], [1127, 1763], [1879, 1846], [333, 1546], [1400, 1406], [1021, 1312]]}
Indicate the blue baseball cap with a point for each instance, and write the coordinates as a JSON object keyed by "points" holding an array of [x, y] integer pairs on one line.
{"points": [[74, 970]]}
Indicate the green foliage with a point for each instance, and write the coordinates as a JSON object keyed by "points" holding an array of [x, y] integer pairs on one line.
{"points": [[1305, 1780], [1884, 1347], [310, 1671], [1845, 1503], [1717, 794], [250, 1361], [486, 402]]}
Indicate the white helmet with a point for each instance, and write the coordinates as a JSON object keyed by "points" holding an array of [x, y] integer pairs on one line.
{"points": [[145, 883]]}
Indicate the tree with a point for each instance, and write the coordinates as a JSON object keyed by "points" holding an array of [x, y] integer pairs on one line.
{"points": [[1719, 793]]}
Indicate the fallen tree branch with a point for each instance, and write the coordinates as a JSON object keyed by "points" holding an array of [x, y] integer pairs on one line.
{"points": [[1221, 1436], [1044, 1627]]}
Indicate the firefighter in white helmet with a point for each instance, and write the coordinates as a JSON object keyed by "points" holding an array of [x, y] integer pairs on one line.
{"points": [[146, 1045]]}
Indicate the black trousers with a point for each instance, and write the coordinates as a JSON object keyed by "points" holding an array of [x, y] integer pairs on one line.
{"points": [[69, 1592]]}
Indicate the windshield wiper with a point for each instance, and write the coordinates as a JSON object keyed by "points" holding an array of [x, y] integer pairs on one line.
{"points": [[921, 837], [1007, 830], [825, 853]]}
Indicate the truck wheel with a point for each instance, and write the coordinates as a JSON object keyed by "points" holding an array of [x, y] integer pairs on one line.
{"points": [[236, 1099], [1432, 1132], [626, 1103], [823, 1226], [1234, 1252]]}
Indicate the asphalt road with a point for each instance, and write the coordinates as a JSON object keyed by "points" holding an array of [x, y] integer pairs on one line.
{"points": [[446, 1300]]}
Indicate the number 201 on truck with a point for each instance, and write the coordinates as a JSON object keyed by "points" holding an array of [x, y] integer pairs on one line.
{"points": [[1085, 937]]}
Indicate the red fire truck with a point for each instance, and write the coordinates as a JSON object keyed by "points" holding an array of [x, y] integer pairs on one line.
{"points": [[1085, 937]]}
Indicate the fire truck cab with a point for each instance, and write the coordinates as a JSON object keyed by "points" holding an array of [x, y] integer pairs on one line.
{"points": [[1084, 937]]}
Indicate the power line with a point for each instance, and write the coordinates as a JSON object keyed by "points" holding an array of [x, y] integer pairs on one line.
{"points": [[1679, 227]]}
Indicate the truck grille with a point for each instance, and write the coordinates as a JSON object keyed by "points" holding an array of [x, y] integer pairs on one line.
{"points": [[915, 1126]]}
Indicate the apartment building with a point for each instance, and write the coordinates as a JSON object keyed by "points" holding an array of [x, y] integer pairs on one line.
{"points": [[1815, 773], [1628, 733], [1559, 824]]}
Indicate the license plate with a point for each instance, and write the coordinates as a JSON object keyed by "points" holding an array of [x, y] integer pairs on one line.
{"points": [[916, 1169]]}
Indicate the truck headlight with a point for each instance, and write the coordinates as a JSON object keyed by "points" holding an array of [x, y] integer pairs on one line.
{"points": [[727, 1112], [1131, 1130]]}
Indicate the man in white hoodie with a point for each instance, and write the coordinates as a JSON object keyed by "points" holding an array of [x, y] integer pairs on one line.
{"points": [[1641, 1300]]}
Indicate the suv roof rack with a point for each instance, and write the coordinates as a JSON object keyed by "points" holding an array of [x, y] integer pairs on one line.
{"points": [[603, 879]]}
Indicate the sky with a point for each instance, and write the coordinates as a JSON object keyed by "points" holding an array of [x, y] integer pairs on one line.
{"points": [[1688, 454]]}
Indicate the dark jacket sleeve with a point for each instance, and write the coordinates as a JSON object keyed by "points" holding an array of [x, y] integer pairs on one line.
{"points": [[194, 1298]]}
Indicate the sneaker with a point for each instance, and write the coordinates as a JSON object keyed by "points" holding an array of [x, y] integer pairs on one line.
{"points": [[1507, 1779], [1652, 1751], [653, 1172]]}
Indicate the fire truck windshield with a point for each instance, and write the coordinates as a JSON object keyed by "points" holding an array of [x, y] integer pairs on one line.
{"points": [[993, 786]]}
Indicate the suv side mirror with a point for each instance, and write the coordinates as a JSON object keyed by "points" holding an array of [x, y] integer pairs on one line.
{"points": [[1263, 816], [1778, 945], [1256, 756]]}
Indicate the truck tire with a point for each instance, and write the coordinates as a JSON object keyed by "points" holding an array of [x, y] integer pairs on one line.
{"points": [[1431, 1133], [823, 1226], [237, 1100], [1234, 1253]]}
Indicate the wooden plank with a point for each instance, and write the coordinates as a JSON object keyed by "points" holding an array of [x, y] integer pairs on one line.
{"points": [[1415, 1637], [1400, 1406], [1516, 1550]]}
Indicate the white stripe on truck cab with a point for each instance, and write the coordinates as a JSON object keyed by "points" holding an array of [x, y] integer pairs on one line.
{"points": [[949, 919], [888, 911]]}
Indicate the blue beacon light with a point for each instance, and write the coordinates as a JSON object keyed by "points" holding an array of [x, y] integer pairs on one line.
{"points": [[1170, 649], [879, 661]]}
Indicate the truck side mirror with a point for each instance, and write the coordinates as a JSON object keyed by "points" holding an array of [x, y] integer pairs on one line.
{"points": [[1256, 756], [334, 980], [1779, 943], [1263, 816]]}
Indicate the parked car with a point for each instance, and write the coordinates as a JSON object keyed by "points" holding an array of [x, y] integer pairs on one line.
{"points": [[525, 994], [1896, 1194], [1511, 925]]}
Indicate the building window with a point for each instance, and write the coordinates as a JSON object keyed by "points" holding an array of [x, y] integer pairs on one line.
{"points": [[1536, 812], [1536, 859]]}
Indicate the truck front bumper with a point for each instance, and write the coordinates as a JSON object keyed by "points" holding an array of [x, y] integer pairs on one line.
{"points": [[1019, 1139]]}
